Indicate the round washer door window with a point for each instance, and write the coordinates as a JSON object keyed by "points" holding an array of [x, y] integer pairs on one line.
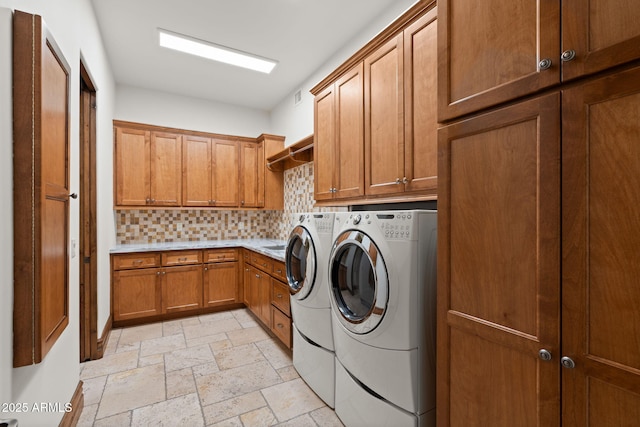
{"points": [[300, 260], [359, 282]]}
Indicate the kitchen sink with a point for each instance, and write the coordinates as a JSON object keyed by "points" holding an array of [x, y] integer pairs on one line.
{"points": [[275, 247]]}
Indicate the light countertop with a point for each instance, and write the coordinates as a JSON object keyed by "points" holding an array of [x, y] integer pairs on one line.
{"points": [[263, 246]]}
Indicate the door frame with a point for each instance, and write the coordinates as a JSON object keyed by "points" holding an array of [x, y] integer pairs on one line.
{"points": [[88, 229]]}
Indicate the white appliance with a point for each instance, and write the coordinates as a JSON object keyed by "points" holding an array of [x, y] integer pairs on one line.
{"points": [[306, 259], [382, 273]]}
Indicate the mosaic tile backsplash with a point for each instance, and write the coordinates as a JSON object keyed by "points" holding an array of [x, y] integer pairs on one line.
{"points": [[159, 225]]}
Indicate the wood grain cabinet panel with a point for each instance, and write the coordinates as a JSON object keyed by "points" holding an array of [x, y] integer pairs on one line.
{"points": [[601, 261], [41, 190], [133, 167], [221, 284], [324, 149], [137, 293], [499, 267], [181, 288], [166, 169], [251, 175], [225, 182], [197, 168], [495, 51]]}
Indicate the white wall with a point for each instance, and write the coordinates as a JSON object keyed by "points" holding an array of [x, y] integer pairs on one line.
{"points": [[164, 109], [6, 214], [73, 25], [296, 121]]}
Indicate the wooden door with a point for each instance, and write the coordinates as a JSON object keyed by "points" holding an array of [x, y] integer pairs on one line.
{"points": [[226, 160], [41, 190], [133, 176], [137, 293], [489, 52], [196, 171], [248, 175], [600, 251], [181, 288], [499, 268], [349, 122], [602, 33], [166, 169], [220, 284], [421, 104], [324, 140], [384, 119]]}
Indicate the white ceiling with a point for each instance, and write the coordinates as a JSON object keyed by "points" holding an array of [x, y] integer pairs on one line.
{"points": [[300, 34]]}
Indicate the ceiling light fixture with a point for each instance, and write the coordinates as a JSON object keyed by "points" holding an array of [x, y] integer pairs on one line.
{"points": [[214, 52]]}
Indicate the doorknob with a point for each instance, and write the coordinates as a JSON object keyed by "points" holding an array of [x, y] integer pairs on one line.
{"points": [[73, 195]]}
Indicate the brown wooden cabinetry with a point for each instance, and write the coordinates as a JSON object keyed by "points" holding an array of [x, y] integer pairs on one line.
{"points": [[221, 277], [148, 168], [210, 172], [375, 117], [499, 50], [181, 288], [157, 166]]}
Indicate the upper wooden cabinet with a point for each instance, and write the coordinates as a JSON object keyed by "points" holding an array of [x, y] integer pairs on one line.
{"points": [[210, 172], [401, 112], [148, 168], [169, 167], [496, 50], [375, 117], [338, 132]]}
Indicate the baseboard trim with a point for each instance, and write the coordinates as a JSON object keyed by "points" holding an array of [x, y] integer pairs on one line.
{"points": [[70, 419], [104, 338]]}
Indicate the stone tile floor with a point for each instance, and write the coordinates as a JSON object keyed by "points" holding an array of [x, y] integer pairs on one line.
{"points": [[219, 369]]}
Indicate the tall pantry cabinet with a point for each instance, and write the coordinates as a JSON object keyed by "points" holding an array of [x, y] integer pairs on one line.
{"points": [[538, 296]]}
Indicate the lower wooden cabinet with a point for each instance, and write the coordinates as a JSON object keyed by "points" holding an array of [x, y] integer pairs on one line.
{"points": [[153, 285], [136, 293]]}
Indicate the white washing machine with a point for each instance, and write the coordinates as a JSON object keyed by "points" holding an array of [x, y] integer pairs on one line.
{"points": [[306, 259], [382, 273]]}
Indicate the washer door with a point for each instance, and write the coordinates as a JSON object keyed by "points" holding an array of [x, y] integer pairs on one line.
{"points": [[300, 260], [359, 282]]}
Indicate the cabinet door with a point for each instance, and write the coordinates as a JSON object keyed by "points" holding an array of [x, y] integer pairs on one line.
{"points": [[264, 298], [181, 288], [133, 176], [349, 162], [421, 104], [137, 293], [489, 52], [601, 260], [602, 33], [226, 187], [324, 140], [166, 169], [254, 292], [499, 267], [246, 285], [220, 284], [383, 119], [250, 181], [196, 171]]}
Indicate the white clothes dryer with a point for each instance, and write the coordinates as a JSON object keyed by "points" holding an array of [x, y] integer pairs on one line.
{"points": [[306, 259], [382, 279]]}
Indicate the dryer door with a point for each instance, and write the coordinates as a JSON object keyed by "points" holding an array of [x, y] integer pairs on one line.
{"points": [[359, 282], [300, 260]]}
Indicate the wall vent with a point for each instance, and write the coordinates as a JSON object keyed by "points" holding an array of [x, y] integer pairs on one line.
{"points": [[297, 97]]}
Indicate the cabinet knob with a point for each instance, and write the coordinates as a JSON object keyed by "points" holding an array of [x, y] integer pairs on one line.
{"points": [[568, 55], [544, 64], [153, 200], [544, 354], [213, 202], [405, 180], [567, 362], [206, 269], [280, 325], [242, 202], [157, 273], [398, 181], [258, 276], [147, 200]]}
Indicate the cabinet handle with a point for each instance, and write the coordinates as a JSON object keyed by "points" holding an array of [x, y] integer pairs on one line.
{"points": [[405, 180], [258, 276], [568, 55], [280, 325], [157, 273], [279, 271], [568, 362], [213, 202], [544, 64], [398, 181], [242, 202], [147, 200], [206, 269], [279, 295], [164, 272], [182, 259], [73, 195], [137, 261], [544, 354]]}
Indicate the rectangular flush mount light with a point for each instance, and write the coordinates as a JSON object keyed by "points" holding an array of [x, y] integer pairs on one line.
{"points": [[214, 52]]}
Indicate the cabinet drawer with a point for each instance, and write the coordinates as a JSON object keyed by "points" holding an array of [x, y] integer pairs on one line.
{"points": [[262, 262], [181, 258], [140, 260], [220, 255], [280, 296], [279, 270], [281, 326]]}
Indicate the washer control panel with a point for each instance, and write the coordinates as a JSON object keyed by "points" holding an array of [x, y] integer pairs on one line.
{"points": [[323, 221], [394, 225]]}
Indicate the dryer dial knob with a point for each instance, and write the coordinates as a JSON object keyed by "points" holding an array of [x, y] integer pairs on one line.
{"points": [[301, 218], [357, 219]]}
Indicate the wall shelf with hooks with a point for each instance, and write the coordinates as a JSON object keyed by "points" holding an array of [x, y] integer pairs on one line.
{"points": [[294, 155]]}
